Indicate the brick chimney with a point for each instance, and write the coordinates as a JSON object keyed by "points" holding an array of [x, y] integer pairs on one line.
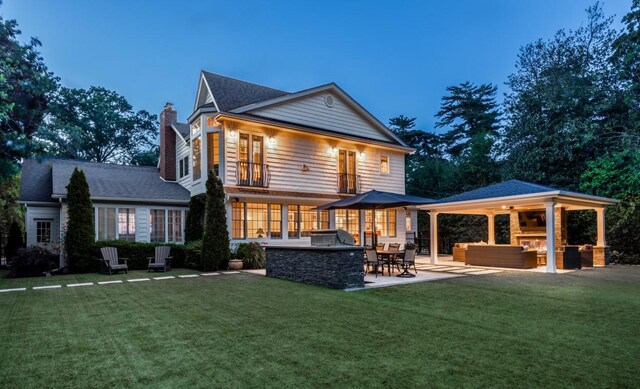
{"points": [[168, 143]]}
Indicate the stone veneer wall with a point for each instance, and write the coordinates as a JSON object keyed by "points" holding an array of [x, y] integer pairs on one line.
{"points": [[333, 267], [560, 226]]}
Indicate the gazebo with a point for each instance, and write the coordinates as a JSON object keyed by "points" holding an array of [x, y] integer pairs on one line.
{"points": [[520, 200]]}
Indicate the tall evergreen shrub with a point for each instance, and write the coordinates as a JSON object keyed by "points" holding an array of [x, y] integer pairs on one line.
{"points": [[215, 240], [80, 234], [193, 227], [14, 242]]}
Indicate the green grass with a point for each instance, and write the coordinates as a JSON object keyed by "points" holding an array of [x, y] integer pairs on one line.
{"points": [[508, 329]]}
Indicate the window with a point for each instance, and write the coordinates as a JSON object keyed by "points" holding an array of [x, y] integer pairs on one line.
{"points": [[106, 223], [174, 226], [347, 171], [43, 231], [256, 220], [323, 220], [250, 160], [385, 222], [127, 224], [349, 220], [237, 221], [408, 221], [308, 220], [184, 167], [196, 151], [156, 225], [294, 221], [213, 152], [384, 164], [275, 223]]}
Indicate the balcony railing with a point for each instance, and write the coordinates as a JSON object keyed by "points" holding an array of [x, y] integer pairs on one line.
{"points": [[252, 174], [348, 183]]}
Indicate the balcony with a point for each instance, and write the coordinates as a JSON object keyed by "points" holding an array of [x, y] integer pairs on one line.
{"points": [[252, 174], [348, 183]]}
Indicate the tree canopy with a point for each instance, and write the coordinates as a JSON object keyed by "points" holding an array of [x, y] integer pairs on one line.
{"points": [[98, 125]]}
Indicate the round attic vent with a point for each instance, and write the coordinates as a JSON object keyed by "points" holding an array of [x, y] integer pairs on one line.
{"points": [[328, 100]]}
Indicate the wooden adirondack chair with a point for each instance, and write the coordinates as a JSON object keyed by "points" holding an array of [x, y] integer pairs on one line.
{"points": [[162, 260], [110, 258]]}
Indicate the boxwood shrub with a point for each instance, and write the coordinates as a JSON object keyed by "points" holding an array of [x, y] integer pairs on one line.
{"points": [[139, 252]]}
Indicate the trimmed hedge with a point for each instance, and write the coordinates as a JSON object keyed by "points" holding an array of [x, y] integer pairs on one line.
{"points": [[138, 252]]}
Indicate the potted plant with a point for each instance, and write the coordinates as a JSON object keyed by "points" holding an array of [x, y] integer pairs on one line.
{"points": [[235, 263]]}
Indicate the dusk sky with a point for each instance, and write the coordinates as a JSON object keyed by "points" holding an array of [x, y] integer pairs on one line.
{"points": [[394, 57]]}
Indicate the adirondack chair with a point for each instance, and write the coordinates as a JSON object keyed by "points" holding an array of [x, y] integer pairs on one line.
{"points": [[110, 258], [162, 260]]}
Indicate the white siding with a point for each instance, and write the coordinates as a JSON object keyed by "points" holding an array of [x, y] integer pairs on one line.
{"points": [[290, 151], [183, 150], [312, 111], [48, 213], [142, 224]]}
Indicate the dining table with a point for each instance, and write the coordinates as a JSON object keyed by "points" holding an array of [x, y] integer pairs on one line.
{"points": [[389, 256]]}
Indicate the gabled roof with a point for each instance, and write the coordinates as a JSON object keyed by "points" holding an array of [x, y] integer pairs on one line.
{"points": [[182, 129], [48, 180], [230, 93]]}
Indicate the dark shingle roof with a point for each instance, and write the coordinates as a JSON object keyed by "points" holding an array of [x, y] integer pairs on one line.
{"points": [[105, 181], [182, 128], [231, 93], [35, 183], [503, 189]]}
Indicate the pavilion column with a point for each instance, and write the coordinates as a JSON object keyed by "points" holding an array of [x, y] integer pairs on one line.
{"points": [[433, 218], [491, 229], [551, 236], [602, 242]]}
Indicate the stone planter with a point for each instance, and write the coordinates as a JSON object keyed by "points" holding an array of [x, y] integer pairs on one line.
{"points": [[235, 264]]}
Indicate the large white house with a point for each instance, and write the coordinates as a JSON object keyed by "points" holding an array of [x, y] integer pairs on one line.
{"points": [[279, 155]]}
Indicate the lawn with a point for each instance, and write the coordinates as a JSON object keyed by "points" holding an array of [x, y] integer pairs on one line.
{"points": [[507, 329]]}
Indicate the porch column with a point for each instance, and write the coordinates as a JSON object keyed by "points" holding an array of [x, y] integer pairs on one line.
{"points": [[551, 237], [602, 242], [433, 218], [492, 232]]}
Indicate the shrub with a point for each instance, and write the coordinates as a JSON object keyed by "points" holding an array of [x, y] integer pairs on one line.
{"points": [[252, 255], [193, 225], [215, 240], [78, 241], [139, 252], [193, 255], [32, 262], [14, 242]]}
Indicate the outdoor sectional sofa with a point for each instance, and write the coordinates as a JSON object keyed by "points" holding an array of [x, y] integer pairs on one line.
{"points": [[501, 256]]}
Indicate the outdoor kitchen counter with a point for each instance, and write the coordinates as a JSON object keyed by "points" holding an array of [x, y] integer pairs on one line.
{"points": [[338, 267]]}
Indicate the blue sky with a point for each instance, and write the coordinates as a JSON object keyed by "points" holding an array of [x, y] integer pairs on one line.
{"points": [[393, 57]]}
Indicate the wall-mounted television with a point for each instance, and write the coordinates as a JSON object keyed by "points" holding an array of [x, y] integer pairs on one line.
{"points": [[532, 220]]}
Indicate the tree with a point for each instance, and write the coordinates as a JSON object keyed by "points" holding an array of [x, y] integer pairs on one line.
{"points": [[96, 124], [15, 241], [10, 211], [215, 240], [147, 157], [471, 112], [25, 87], [558, 109], [80, 233], [401, 124], [193, 224]]}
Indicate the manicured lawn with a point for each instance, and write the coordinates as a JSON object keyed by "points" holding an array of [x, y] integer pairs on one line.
{"points": [[508, 329]]}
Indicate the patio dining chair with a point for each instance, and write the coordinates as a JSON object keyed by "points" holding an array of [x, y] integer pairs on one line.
{"points": [[394, 247], [408, 260], [111, 260], [373, 260], [382, 246], [161, 261]]}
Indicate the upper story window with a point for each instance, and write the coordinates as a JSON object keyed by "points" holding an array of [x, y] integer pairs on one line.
{"points": [[384, 164], [347, 178], [213, 152], [251, 169], [211, 122], [195, 127], [184, 167], [196, 150]]}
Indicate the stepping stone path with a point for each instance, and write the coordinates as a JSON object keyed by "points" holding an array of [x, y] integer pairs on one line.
{"points": [[472, 271]]}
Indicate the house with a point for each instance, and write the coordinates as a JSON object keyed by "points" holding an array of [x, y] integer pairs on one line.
{"points": [[278, 154]]}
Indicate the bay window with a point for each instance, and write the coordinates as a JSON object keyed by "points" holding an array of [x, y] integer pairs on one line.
{"points": [[213, 152], [196, 150]]}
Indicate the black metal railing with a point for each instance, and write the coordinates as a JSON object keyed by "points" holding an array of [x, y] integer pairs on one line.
{"points": [[252, 174], [348, 183]]}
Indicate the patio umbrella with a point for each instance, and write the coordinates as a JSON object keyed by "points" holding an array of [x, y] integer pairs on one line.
{"points": [[374, 200]]}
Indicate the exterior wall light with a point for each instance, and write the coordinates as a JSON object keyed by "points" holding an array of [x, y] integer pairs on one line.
{"points": [[272, 140]]}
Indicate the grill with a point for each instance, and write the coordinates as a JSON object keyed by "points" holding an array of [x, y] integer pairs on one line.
{"points": [[332, 238]]}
